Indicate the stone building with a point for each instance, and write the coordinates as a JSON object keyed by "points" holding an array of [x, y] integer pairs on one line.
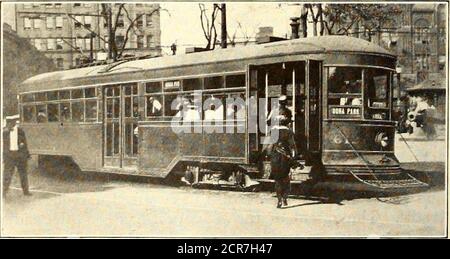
{"points": [[67, 33], [418, 38], [21, 60]]}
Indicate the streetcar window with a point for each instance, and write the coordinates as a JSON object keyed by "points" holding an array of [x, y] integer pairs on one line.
{"points": [[153, 87], [128, 136], [116, 108], [154, 106], [235, 107], [345, 92], [65, 111], [77, 93], [127, 109], [64, 95], [41, 97], [192, 84], [109, 91], [377, 94], [116, 137], [170, 86], [345, 80], [214, 82], [90, 92], [174, 101], [109, 139], [52, 110], [78, 111], [130, 89], [53, 95], [214, 108], [235, 81], [29, 113], [135, 107], [135, 139], [109, 108], [41, 113], [91, 110], [26, 98]]}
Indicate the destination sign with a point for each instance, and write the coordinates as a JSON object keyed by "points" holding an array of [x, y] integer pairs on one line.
{"points": [[345, 111]]}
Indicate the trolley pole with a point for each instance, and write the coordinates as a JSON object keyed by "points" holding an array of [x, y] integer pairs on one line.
{"points": [[223, 35]]}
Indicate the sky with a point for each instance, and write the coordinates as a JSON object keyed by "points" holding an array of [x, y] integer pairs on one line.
{"points": [[181, 24]]}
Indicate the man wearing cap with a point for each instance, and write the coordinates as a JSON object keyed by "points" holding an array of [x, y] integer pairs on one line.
{"points": [[282, 151], [15, 154], [281, 112]]}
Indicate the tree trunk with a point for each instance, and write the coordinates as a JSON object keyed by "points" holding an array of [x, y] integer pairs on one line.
{"points": [[223, 35], [304, 20]]}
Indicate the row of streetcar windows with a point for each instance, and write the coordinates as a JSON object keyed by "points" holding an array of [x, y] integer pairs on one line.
{"points": [[355, 92], [187, 98], [77, 105]]}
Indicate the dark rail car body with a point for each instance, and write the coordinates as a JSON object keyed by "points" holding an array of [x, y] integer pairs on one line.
{"points": [[117, 118]]}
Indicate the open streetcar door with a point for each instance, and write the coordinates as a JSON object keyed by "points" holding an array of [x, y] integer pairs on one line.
{"points": [[313, 105]]}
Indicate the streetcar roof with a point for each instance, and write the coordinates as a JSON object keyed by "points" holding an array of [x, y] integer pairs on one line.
{"points": [[311, 45]]}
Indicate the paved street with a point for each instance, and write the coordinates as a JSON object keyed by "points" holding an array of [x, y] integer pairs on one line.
{"points": [[80, 206], [99, 207]]}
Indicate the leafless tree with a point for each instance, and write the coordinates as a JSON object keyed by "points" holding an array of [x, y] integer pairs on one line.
{"points": [[209, 25], [116, 52]]}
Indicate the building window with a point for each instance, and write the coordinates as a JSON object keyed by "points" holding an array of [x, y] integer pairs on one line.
{"points": [[106, 42], [59, 43], [139, 20], [149, 41], [120, 22], [58, 5], [140, 41], [78, 21], [80, 43], [37, 44], [36, 23], [50, 21], [59, 22], [60, 63], [87, 21], [48, 5], [43, 44], [51, 44], [87, 43], [148, 20], [76, 5], [26, 23]]}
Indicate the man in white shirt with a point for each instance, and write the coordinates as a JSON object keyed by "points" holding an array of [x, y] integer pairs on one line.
{"points": [[15, 154]]}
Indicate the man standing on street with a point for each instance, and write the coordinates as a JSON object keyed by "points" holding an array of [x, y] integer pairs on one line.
{"points": [[15, 154], [282, 151]]}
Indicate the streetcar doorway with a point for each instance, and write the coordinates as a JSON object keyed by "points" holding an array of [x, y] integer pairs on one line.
{"points": [[301, 83], [271, 81], [121, 114]]}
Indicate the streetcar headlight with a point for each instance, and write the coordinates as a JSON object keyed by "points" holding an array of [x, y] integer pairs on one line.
{"points": [[382, 139]]}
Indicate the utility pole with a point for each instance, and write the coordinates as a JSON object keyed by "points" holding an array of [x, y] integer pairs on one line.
{"points": [[91, 43], [110, 33], [223, 40]]}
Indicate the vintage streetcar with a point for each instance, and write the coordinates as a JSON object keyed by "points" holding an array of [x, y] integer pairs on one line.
{"points": [[118, 117]]}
